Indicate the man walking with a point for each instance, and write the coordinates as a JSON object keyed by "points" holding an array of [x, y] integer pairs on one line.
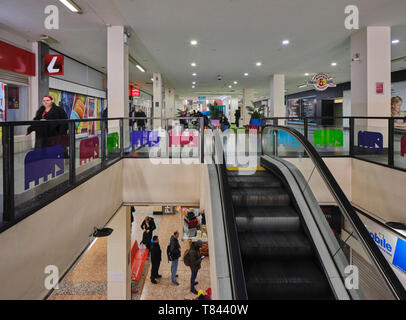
{"points": [[237, 117], [141, 122], [174, 249], [195, 263], [155, 259]]}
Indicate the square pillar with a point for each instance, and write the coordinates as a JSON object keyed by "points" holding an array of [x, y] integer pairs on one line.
{"points": [[276, 106], [157, 105]]}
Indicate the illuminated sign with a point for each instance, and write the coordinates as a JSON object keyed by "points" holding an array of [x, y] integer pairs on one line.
{"points": [[54, 65], [321, 82]]}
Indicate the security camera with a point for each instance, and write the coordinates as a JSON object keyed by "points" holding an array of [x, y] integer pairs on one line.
{"points": [[219, 77]]}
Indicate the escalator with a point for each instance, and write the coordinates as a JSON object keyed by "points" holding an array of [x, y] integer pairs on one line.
{"points": [[278, 256], [279, 243]]}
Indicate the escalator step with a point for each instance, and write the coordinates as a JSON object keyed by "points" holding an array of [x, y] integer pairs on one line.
{"points": [[278, 246], [266, 219], [276, 197], [254, 181], [300, 280]]}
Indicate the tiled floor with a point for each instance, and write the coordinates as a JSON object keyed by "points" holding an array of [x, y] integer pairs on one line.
{"points": [[88, 279], [165, 290]]}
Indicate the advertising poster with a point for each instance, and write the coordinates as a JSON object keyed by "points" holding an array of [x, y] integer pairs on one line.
{"points": [[90, 109], [2, 105], [67, 102], [13, 98], [56, 94], [78, 112]]}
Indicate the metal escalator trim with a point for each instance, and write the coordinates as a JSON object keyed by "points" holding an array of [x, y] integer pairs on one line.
{"points": [[326, 259], [369, 246]]}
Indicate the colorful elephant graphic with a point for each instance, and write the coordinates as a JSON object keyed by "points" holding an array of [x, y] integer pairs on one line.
{"points": [[112, 142], [328, 138], [403, 146], [184, 138], [43, 162], [287, 140], [370, 140], [89, 149]]}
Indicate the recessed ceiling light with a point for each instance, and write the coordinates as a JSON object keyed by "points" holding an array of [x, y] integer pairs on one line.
{"points": [[285, 42], [230, 86], [193, 87], [193, 64], [235, 82], [194, 74], [395, 41], [152, 79], [334, 64], [306, 74], [71, 6], [259, 64], [194, 82], [193, 42], [246, 74]]}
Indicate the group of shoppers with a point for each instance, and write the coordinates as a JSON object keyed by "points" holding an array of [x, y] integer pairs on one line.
{"points": [[194, 259], [141, 123]]}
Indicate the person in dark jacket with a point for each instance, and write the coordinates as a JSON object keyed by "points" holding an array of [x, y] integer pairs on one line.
{"points": [[224, 122], [195, 263], [141, 122], [156, 257], [50, 134], [174, 248], [237, 117], [148, 225]]}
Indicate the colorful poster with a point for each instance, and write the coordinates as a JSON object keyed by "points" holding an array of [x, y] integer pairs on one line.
{"points": [[56, 94], [90, 109], [66, 102], [2, 101]]}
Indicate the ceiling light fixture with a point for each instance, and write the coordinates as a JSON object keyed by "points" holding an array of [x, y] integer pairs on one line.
{"points": [[285, 42], [259, 64], [395, 41], [72, 6], [306, 74], [193, 42], [194, 74], [230, 86], [140, 68], [235, 82], [334, 64], [302, 86], [246, 74], [194, 82], [193, 87], [193, 64]]}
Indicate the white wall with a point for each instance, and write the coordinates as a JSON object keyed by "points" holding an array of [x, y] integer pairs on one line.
{"points": [[145, 182], [56, 235]]}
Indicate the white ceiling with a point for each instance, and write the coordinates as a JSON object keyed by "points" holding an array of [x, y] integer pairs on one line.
{"points": [[233, 35]]}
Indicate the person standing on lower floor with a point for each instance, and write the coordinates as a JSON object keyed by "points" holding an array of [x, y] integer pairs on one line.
{"points": [[175, 255], [156, 255], [195, 263]]}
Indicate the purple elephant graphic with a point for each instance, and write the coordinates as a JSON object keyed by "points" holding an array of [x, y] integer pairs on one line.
{"points": [[370, 140], [43, 162]]}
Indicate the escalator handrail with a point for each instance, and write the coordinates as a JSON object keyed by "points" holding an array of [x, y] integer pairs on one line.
{"points": [[233, 247], [364, 237]]}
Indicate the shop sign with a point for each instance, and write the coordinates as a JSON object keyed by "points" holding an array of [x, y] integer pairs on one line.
{"points": [[321, 82], [379, 88], [17, 60], [135, 92], [54, 65]]}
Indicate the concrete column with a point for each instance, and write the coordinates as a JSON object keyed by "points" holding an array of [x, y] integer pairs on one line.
{"points": [[373, 44], [119, 256], [170, 102], [117, 72], [248, 99], [157, 93], [276, 106]]}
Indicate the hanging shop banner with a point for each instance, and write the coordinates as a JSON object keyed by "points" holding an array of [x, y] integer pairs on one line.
{"points": [[54, 65], [135, 92], [17, 60], [391, 245], [321, 82]]}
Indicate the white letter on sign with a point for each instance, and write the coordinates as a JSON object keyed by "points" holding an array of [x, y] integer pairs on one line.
{"points": [[51, 281], [352, 21], [52, 21]]}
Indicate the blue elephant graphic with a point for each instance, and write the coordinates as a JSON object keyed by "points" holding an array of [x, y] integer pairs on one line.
{"points": [[43, 162], [287, 140], [143, 138], [370, 140]]}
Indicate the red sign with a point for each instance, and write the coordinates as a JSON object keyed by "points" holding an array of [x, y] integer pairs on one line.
{"points": [[135, 92], [54, 65], [17, 60], [379, 88]]}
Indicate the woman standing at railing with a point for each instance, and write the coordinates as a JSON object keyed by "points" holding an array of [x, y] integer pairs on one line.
{"points": [[396, 104], [51, 134]]}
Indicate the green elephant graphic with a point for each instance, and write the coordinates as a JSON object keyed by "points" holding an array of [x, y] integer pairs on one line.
{"points": [[112, 142], [326, 138]]}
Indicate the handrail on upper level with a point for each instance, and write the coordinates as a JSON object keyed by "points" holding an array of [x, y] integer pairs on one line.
{"points": [[363, 235]]}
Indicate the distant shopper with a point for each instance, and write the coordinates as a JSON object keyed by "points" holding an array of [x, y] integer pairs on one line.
{"points": [[132, 115], [175, 253], [195, 259], [50, 134], [148, 225], [396, 104], [156, 257], [183, 122], [237, 117], [141, 122], [224, 122]]}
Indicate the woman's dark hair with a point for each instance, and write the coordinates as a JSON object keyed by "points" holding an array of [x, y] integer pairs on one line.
{"points": [[154, 238]]}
